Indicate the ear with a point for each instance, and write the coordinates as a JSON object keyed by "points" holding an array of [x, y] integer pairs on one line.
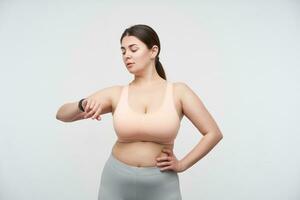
{"points": [[154, 51]]}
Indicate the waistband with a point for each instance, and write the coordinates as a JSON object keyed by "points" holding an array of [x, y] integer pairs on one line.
{"points": [[119, 165]]}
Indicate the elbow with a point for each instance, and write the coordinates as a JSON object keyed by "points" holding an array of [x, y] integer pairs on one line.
{"points": [[217, 135], [220, 135], [59, 117], [63, 119]]}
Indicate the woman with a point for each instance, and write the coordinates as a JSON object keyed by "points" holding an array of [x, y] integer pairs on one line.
{"points": [[146, 118]]}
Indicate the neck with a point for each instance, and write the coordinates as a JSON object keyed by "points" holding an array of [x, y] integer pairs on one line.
{"points": [[149, 77]]}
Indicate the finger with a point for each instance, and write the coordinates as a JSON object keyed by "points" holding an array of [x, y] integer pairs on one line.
{"points": [[161, 164], [163, 159], [93, 111], [96, 108], [98, 118], [90, 113], [87, 107], [166, 168], [168, 151], [97, 114], [92, 105]]}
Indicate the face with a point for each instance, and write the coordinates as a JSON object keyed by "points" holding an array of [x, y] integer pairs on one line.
{"points": [[136, 52]]}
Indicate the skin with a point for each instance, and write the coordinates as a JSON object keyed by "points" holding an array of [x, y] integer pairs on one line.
{"points": [[146, 79]]}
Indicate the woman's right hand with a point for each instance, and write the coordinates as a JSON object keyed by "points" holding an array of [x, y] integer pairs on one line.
{"points": [[92, 107]]}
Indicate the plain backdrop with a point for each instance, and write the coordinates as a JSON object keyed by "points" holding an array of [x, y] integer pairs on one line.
{"points": [[240, 57]]}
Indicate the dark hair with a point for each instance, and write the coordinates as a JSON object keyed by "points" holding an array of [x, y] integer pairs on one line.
{"points": [[148, 36]]}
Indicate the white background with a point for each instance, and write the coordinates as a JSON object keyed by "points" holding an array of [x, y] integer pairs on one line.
{"points": [[240, 57]]}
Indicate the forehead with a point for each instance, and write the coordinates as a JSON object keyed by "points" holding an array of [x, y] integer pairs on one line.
{"points": [[128, 41]]}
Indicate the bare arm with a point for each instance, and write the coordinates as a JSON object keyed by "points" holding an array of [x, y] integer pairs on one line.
{"points": [[98, 103], [195, 111], [69, 112]]}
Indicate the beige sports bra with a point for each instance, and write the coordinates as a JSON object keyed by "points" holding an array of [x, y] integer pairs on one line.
{"points": [[160, 126]]}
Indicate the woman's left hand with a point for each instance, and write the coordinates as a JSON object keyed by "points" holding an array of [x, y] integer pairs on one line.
{"points": [[169, 162]]}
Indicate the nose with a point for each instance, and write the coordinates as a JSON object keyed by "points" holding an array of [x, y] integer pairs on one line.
{"points": [[127, 54]]}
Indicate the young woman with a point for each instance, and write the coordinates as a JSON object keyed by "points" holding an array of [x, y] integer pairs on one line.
{"points": [[146, 118]]}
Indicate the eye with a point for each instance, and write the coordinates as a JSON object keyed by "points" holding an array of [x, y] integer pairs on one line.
{"points": [[133, 50]]}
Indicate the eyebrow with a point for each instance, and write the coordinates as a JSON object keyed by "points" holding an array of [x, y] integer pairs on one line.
{"points": [[129, 46]]}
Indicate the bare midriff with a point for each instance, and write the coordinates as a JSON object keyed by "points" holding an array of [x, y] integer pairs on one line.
{"points": [[139, 153]]}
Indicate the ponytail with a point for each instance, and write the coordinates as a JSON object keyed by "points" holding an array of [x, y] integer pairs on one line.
{"points": [[159, 68]]}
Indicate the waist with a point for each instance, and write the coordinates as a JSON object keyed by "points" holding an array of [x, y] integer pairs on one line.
{"points": [[139, 153], [157, 141]]}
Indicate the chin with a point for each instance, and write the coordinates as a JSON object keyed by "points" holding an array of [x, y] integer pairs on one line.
{"points": [[134, 70]]}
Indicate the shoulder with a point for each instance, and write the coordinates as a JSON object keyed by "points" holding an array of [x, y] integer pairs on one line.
{"points": [[109, 92], [115, 92], [115, 88], [184, 92], [181, 88]]}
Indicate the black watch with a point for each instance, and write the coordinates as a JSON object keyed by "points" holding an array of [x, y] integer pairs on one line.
{"points": [[80, 105]]}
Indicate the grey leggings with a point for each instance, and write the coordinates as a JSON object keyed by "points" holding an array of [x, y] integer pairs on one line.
{"points": [[120, 181]]}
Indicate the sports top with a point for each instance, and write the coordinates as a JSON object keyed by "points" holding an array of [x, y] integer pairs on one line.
{"points": [[159, 126]]}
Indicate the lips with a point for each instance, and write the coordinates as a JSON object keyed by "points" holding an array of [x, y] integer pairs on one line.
{"points": [[129, 63]]}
